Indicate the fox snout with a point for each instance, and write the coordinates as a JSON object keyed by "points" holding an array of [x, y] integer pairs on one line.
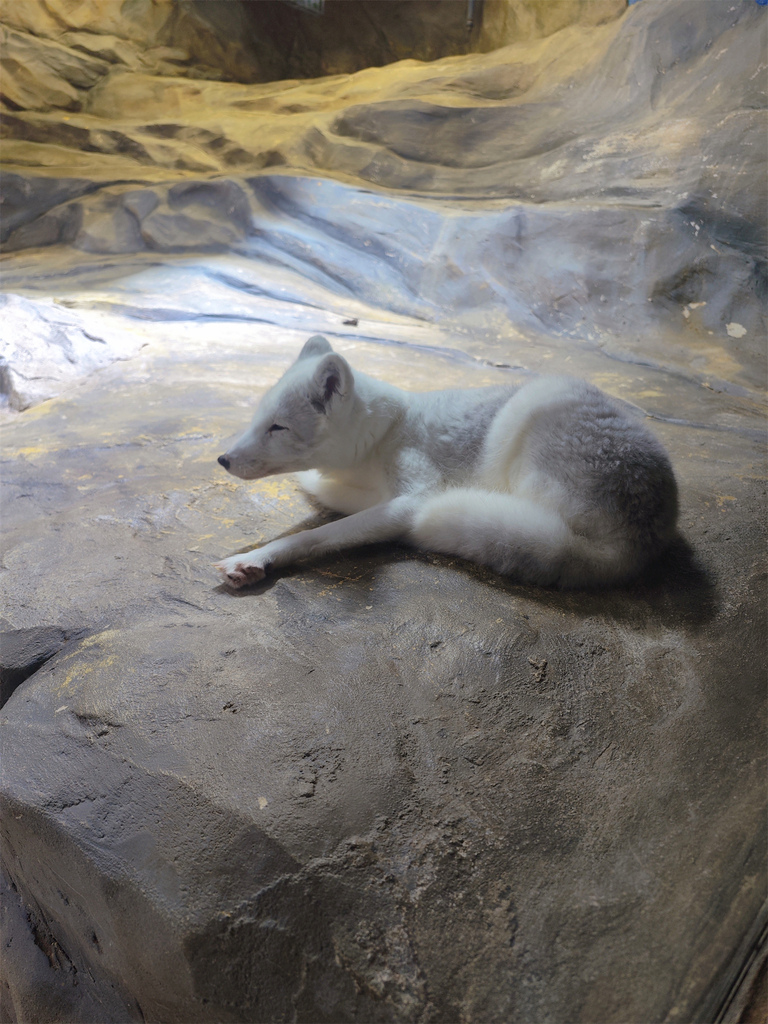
{"points": [[242, 466]]}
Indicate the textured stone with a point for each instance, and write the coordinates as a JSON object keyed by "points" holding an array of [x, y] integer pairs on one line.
{"points": [[38, 74], [371, 33], [503, 22], [161, 37], [44, 347], [51, 53], [39, 980], [543, 186]]}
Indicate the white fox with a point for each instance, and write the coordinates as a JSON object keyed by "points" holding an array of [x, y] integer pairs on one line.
{"points": [[550, 483]]}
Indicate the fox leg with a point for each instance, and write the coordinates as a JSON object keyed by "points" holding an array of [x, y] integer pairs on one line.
{"points": [[388, 521]]}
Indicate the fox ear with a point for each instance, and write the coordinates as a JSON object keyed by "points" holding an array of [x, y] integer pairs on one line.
{"points": [[316, 346], [332, 377]]}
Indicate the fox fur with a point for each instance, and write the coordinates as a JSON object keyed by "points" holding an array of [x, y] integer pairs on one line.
{"points": [[552, 483]]}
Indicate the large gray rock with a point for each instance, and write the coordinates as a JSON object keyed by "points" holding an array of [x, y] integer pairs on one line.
{"points": [[383, 786]]}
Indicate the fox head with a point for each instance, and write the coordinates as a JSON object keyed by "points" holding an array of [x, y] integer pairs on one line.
{"points": [[301, 421]]}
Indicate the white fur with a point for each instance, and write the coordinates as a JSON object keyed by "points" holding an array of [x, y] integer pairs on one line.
{"points": [[552, 484]]}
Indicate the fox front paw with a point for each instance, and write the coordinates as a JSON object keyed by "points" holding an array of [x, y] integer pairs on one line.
{"points": [[242, 570]]}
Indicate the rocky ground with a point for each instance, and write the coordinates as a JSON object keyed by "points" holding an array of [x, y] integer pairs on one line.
{"points": [[384, 786]]}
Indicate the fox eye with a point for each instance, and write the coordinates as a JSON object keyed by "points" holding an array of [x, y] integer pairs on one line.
{"points": [[274, 427]]}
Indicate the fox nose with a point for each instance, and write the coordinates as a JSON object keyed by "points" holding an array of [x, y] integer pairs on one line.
{"points": [[224, 461]]}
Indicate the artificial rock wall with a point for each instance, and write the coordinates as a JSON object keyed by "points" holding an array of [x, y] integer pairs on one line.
{"points": [[514, 187], [383, 786]]}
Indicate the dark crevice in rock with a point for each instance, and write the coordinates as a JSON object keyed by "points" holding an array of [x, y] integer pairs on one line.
{"points": [[155, 314], [40, 978], [754, 435], [24, 651], [742, 987], [44, 940]]}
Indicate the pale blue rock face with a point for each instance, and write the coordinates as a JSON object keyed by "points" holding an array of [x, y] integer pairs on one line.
{"points": [[381, 786]]}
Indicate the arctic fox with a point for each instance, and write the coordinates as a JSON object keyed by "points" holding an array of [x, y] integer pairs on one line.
{"points": [[550, 483]]}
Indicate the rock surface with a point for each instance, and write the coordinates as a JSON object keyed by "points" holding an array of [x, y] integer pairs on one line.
{"points": [[54, 51], [518, 185], [386, 786], [46, 346]]}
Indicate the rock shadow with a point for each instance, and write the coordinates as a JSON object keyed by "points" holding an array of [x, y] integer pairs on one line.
{"points": [[677, 588]]}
